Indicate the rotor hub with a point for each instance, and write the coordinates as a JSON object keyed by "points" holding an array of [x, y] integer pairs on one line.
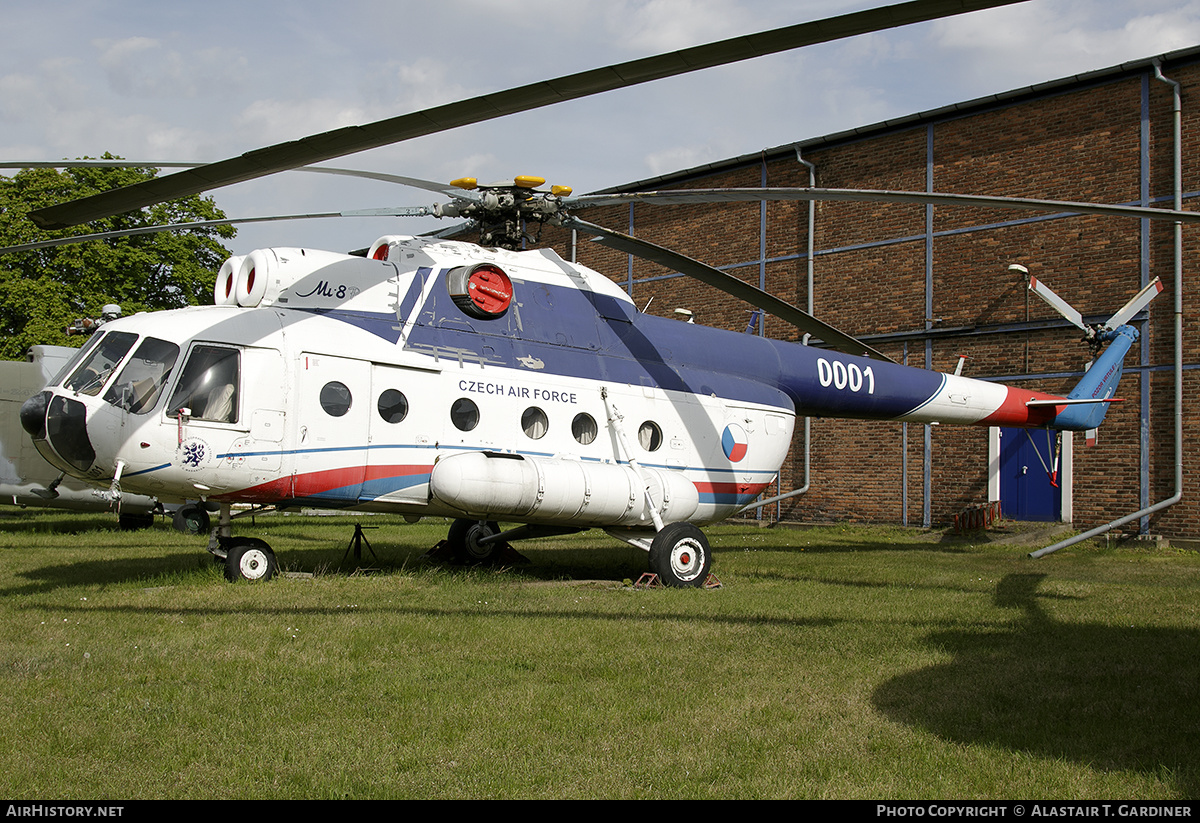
{"points": [[504, 211]]}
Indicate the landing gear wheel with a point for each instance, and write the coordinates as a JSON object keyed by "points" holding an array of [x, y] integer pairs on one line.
{"points": [[191, 519], [464, 540], [680, 556], [249, 559]]}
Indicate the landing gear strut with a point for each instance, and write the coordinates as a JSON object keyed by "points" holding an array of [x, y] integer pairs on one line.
{"points": [[244, 558]]}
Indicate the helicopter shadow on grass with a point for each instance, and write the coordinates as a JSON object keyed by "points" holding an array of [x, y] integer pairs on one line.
{"points": [[324, 555], [111, 571], [825, 544], [1112, 697], [14, 521]]}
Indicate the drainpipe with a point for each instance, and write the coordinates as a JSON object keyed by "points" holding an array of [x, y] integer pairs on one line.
{"points": [[812, 221], [1170, 501]]}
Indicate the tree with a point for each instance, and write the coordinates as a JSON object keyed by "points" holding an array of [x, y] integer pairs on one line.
{"points": [[42, 291]]}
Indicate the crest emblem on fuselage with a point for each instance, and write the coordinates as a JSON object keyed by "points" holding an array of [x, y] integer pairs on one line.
{"points": [[194, 454]]}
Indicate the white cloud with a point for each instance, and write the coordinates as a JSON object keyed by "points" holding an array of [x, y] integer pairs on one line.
{"points": [[1040, 41], [666, 25], [143, 67], [180, 81], [420, 84], [265, 122]]}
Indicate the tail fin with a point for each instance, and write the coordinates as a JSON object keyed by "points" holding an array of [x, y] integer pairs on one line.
{"points": [[1095, 391], [1088, 403]]}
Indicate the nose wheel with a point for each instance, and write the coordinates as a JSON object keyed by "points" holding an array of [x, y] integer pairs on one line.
{"points": [[249, 558], [680, 556]]}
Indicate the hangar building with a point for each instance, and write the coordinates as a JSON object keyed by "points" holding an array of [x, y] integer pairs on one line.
{"points": [[927, 285]]}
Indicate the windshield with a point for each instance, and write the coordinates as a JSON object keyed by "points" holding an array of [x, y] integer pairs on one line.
{"points": [[139, 385], [75, 358], [98, 366]]}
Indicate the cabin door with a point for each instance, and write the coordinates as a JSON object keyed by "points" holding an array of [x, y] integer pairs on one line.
{"points": [[401, 447], [331, 428]]}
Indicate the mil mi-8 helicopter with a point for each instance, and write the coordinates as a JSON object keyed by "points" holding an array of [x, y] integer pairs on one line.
{"points": [[488, 383]]}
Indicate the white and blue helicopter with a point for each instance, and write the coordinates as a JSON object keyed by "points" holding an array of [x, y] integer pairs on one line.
{"points": [[490, 383]]}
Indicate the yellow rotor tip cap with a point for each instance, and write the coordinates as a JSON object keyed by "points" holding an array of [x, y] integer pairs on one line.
{"points": [[467, 183], [524, 181], [560, 191]]}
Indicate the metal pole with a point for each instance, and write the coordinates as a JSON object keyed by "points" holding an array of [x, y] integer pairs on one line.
{"points": [[1170, 501]]}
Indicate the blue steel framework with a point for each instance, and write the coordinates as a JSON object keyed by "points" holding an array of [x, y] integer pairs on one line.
{"points": [[1142, 367]]}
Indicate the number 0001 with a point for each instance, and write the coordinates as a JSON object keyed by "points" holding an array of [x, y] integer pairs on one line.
{"points": [[842, 376]]}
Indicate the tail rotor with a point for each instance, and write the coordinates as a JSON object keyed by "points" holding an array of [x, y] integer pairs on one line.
{"points": [[1096, 335]]}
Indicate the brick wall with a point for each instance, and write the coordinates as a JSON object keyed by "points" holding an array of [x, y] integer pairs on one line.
{"points": [[1085, 142]]}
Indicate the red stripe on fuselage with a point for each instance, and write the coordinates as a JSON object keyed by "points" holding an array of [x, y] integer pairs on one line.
{"points": [[730, 488], [1014, 412], [315, 483]]}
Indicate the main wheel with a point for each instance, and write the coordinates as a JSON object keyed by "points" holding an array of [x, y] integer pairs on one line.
{"points": [[464, 540], [249, 559], [680, 556]]}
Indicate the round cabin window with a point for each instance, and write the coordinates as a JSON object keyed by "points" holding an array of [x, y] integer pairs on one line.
{"points": [[392, 406], [335, 398], [464, 414], [583, 427]]}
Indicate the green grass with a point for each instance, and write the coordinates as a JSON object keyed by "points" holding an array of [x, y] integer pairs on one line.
{"points": [[833, 662]]}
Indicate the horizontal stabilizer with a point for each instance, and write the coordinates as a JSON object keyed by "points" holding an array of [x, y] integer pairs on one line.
{"points": [[1073, 401]]}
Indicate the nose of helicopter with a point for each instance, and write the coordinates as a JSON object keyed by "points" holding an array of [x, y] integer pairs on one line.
{"points": [[33, 415], [61, 422]]}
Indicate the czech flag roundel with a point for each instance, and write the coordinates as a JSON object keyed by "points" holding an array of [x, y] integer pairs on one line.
{"points": [[733, 441]]}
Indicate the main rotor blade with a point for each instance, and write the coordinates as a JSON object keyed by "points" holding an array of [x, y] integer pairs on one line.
{"points": [[402, 211], [340, 142], [414, 182], [875, 195], [728, 284]]}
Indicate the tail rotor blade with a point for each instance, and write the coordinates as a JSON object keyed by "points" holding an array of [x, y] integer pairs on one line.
{"points": [[1057, 303], [1136, 304]]}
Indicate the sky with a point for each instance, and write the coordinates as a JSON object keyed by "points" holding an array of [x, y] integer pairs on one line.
{"points": [[185, 81]]}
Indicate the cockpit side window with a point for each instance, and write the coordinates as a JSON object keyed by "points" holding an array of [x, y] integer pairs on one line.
{"points": [[208, 385], [98, 366], [139, 385]]}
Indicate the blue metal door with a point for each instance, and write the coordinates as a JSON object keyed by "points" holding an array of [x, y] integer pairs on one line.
{"points": [[1026, 489]]}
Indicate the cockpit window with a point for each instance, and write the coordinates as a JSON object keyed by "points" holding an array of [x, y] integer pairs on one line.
{"points": [[139, 385], [208, 386], [76, 358], [98, 366]]}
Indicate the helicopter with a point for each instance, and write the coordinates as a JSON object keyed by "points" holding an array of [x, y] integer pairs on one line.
{"points": [[489, 382]]}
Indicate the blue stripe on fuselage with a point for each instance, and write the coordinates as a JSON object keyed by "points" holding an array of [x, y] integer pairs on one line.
{"points": [[574, 332]]}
